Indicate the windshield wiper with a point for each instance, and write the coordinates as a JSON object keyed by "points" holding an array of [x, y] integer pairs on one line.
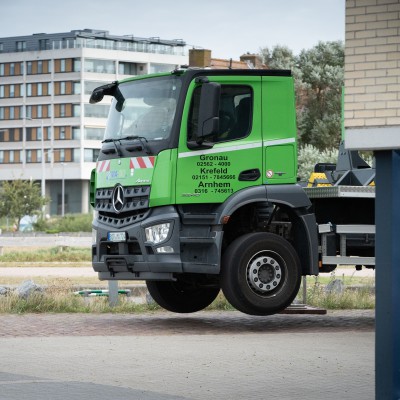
{"points": [[143, 142], [114, 141]]}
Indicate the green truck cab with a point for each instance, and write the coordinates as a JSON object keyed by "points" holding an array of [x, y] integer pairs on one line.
{"points": [[195, 190]]}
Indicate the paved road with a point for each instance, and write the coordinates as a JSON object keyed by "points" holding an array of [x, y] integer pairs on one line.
{"points": [[207, 355]]}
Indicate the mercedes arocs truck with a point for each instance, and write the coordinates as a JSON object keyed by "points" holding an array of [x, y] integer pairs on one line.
{"points": [[195, 191]]}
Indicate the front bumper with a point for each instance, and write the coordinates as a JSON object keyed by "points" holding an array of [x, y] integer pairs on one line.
{"points": [[195, 249]]}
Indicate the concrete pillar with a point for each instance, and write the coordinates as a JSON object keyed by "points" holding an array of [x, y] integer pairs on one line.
{"points": [[85, 197]]}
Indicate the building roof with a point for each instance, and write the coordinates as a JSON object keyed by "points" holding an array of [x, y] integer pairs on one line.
{"points": [[79, 38]]}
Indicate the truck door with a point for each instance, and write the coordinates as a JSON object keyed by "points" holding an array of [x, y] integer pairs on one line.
{"points": [[234, 161], [279, 130]]}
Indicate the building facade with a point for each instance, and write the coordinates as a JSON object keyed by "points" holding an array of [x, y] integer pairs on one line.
{"points": [[48, 130]]}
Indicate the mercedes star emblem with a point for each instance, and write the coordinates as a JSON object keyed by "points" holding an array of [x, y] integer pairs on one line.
{"points": [[118, 198]]}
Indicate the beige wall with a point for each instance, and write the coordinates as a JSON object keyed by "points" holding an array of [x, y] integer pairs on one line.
{"points": [[372, 64]]}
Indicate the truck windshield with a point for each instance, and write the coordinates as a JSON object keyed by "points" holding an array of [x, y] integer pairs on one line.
{"points": [[144, 108]]}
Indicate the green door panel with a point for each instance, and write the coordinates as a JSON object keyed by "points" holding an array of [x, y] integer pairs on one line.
{"points": [[212, 175]]}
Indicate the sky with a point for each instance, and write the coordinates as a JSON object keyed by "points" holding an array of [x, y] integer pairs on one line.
{"points": [[229, 28]]}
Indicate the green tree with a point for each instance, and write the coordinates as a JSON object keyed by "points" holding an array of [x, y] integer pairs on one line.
{"points": [[318, 75], [19, 198], [322, 74], [279, 57]]}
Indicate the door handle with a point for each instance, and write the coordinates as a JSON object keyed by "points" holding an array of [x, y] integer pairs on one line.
{"points": [[250, 175]]}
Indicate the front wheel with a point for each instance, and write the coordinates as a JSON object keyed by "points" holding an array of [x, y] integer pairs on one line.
{"points": [[260, 274], [185, 295]]}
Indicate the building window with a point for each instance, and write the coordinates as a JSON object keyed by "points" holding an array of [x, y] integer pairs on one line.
{"points": [[1, 47], [77, 88], [76, 110], [29, 89], [38, 111], [100, 66], [1, 156], [38, 67], [91, 155], [66, 65], [94, 133], [76, 133], [1, 91], [35, 134], [96, 110], [62, 132], [76, 155], [125, 68], [91, 85], [44, 44], [157, 68], [11, 112], [21, 46]]}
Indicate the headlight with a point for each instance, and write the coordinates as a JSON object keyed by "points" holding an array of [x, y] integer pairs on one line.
{"points": [[157, 233]]}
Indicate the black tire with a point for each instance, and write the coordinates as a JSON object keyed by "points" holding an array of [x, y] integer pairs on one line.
{"points": [[181, 296], [260, 274]]}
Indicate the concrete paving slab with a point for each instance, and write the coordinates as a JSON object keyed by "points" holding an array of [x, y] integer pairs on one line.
{"points": [[207, 355]]}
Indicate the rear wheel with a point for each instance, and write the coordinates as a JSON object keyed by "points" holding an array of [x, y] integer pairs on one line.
{"points": [[183, 295], [260, 274]]}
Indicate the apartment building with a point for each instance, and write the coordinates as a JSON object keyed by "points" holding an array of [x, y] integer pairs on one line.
{"points": [[48, 130]]}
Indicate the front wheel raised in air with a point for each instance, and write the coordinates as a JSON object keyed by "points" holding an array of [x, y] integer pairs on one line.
{"points": [[182, 295], [260, 274]]}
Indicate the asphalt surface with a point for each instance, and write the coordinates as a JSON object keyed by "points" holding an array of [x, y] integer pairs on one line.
{"points": [[206, 355]]}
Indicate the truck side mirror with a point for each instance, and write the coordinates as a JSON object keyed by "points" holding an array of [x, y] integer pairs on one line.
{"points": [[208, 123], [101, 91]]}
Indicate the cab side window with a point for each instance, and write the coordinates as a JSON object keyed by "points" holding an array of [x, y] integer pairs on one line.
{"points": [[235, 113]]}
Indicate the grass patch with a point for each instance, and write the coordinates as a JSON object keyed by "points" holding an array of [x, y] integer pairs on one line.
{"points": [[52, 254], [360, 298], [59, 298], [68, 223]]}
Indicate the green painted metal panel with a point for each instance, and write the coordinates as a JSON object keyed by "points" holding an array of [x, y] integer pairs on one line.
{"points": [[129, 171], [279, 130], [163, 183], [212, 175]]}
